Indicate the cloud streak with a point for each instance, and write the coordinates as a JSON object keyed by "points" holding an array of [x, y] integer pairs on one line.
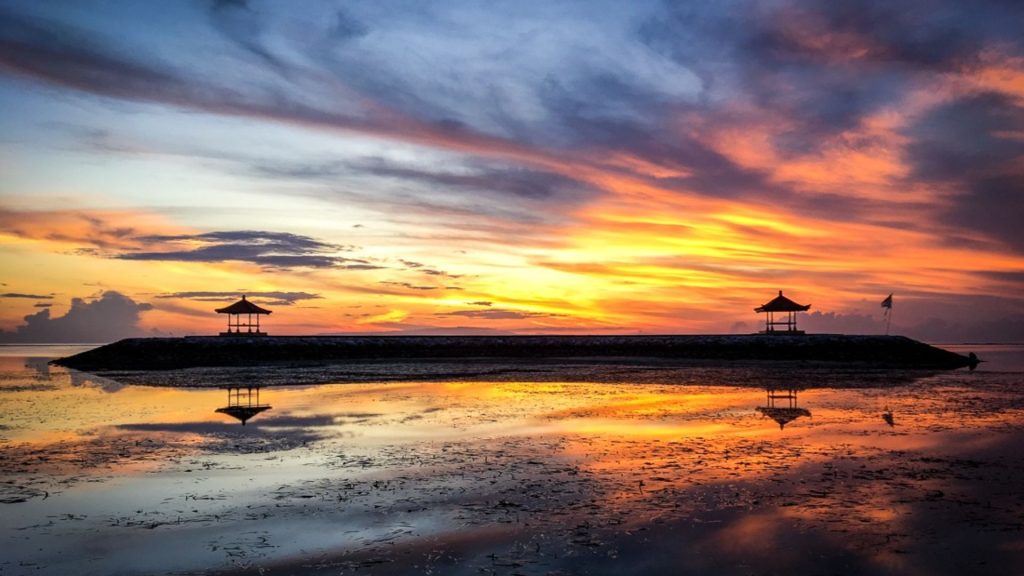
{"points": [[268, 249], [273, 297], [497, 314]]}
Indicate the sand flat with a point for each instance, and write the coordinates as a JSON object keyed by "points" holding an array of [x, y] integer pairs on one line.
{"points": [[470, 477]]}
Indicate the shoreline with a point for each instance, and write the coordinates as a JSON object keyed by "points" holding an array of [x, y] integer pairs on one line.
{"points": [[216, 351]]}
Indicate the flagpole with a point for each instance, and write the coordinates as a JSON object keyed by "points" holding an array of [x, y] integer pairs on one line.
{"points": [[888, 319]]}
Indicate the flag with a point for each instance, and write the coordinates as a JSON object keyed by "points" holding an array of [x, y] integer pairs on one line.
{"points": [[887, 303]]}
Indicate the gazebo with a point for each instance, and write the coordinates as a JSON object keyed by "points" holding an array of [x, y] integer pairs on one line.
{"points": [[781, 304], [241, 406], [786, 413], [235, 324]]}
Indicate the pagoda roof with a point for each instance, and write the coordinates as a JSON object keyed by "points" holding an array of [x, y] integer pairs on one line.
{"points": [[782, 304], [783, 416], [243, 413], [243, 306]]}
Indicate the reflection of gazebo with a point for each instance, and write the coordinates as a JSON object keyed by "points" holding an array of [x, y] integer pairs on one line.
{"points": [[782, 414], [242, 406], [781, 304], [235, 324]]}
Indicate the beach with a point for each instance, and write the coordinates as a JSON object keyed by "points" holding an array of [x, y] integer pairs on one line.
{"points": [[625, 470]]}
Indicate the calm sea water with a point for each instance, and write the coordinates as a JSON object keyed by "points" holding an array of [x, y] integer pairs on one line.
{"points": [[477, 468]]}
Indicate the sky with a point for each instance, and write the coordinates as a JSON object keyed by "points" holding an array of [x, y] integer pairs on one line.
{"points": [[511, 167]]}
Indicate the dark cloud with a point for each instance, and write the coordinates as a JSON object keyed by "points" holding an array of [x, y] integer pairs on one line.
{"points": [[408, 194], [294, 241], [965, 318], [305, 171], [69, 57], [871, 52], [268, 249], [42, 305], [964, 144], [1016, 277], [742, 47], [110, 317], [243, 26], [463, 190], [510, 181], [480, 303], [27, 296], [967, 137], [347, 27], [273, 298], [838, 323], [942, 330], [116, 74], [410, 329], [824, 66], [62, 54], [741, 327], [497, 314], [993, 207], [409, 285], [929, 34]]}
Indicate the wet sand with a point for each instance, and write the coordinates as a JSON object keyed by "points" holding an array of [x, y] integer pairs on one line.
{"points": [[512, 477]]}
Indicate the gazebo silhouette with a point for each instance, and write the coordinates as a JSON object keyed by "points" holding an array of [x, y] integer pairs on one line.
{"points": [[784, 305], [785, 413], [235, 324], [243, 406]]}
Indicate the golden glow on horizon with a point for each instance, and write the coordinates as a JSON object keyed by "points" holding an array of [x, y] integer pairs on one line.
{"points": [[595, 279]]}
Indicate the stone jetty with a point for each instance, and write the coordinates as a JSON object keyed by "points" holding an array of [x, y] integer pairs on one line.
{"points": [[206, 351]]}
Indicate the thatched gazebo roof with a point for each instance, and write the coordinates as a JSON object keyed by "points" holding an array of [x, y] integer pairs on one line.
{"points": [[783, 416], [243, 306], [782, 304]]}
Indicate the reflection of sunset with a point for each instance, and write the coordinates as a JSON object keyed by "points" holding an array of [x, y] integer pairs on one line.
{"points": [[75, 413], [612, 460]]}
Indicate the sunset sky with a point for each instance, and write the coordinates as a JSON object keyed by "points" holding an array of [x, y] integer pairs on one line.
{"points": [[526, 167]]}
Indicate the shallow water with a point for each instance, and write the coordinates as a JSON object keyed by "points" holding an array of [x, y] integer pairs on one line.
{"points": [[633, 470]]}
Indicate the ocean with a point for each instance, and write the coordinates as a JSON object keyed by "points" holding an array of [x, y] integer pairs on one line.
{"points": [[505, 467]]}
